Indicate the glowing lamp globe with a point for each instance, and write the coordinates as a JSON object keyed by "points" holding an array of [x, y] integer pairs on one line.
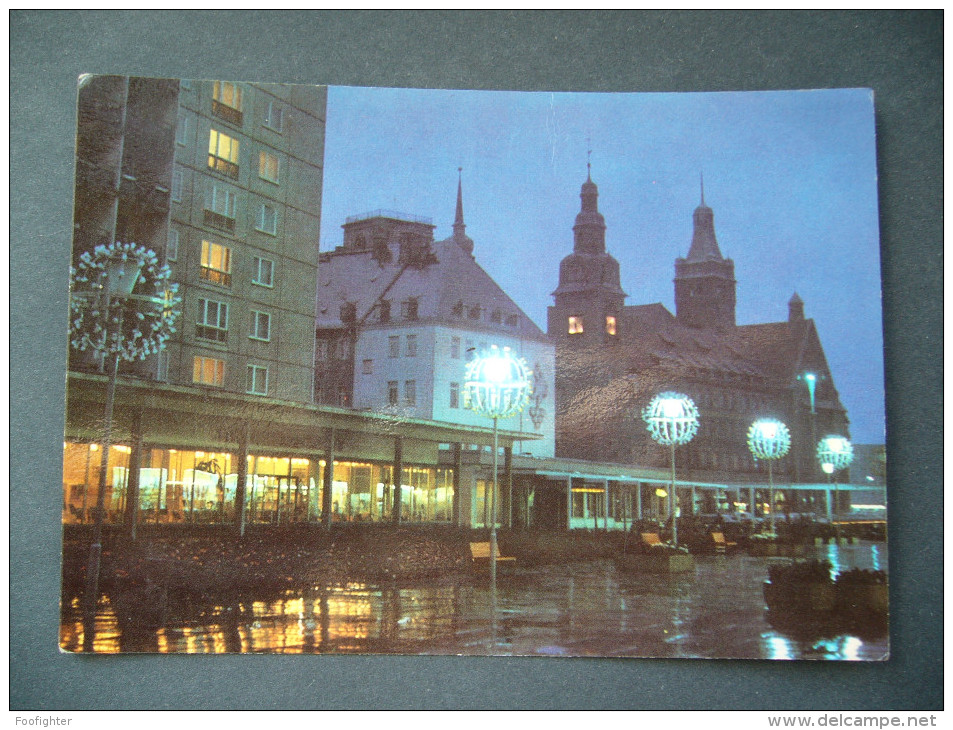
{"points": [[769, 439], [497, 384], [671, 419], [836, 451]]}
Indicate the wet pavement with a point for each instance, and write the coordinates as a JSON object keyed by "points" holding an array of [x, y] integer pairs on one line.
{"points": [[577, 609]]}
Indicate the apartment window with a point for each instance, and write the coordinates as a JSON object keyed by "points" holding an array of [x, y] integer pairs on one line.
{"points": [[182, 128], [268, 165], [274, 116], [177, 184], [212, 323], [220, 204], [257, 380], [321, 350], [392, 395], [227, 102], [343, 348], [575, 325], [208, 371], [455, 347], [223, 153], [496, 316], [411, 350], [393, 346], [216, 264], [473, 312], [172, 245], [408, 309], [610, 324], [260, 326], [344, 397], [454, 395], [264, 273], [267, 220], [367, 367], [410, 392]]}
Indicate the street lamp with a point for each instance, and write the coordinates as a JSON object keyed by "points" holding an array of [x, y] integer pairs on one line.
{"points": [[834, 453], [101, 292], [672, 420], [769, 439], [497, 384]]}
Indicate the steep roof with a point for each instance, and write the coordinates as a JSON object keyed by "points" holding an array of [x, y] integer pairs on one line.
{"points": [[447, 286]]}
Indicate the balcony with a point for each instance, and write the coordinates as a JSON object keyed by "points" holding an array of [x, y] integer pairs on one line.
{"points": [[216, 276], [226, 112], [214, 334], [226, 167], [219, 221]]}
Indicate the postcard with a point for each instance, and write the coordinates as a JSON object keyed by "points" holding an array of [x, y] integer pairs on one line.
{"points": [[404, 371]]}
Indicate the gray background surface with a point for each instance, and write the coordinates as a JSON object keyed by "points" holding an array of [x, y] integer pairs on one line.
{"points": [[898, 54]]}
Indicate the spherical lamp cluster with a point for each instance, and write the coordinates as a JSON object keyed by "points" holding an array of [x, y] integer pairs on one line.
{"points": [[834, 453], [497, 384], [769, 439], [671, 419]]}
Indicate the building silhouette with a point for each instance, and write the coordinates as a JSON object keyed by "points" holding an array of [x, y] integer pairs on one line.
{"points": [[612, 359]]}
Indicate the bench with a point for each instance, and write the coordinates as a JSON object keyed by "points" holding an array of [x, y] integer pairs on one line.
{"points": [[651, 539], [721, 544], [480, 553]]}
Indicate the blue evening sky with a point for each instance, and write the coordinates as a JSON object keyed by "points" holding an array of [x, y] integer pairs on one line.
{"points": [[791, 177]]}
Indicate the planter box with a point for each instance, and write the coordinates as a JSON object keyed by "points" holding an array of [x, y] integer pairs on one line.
{"points": [[656, 563], [800, 597]]}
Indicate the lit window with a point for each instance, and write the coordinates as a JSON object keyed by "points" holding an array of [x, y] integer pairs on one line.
{"points": [[182, 128], [410, 392], [208, 371], [392, 395], [268, 166], [454, 395], [257, 382], [264, 272], [411, 345], [455, 347], [344, 397], [260, 326], [172, 245], [274, 116], [368, 367], [177, 184], [267, 220], [216, 265], [212, 323], [223, 153], [610, 325], [227, 101], [393, 344], [575, 325]]}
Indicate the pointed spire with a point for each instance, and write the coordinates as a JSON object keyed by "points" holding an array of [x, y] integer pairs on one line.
{"points": [[701, 176], [459, 227], [795, 308], [704, 244], [589, 159]]}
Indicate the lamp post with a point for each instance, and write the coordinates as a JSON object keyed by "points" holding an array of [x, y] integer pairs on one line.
{"points": [[101, 290], [497, 384], [672, 420], [834, 453], [769, 439]]}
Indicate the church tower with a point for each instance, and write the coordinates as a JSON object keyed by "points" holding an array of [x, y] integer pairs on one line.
{"points": [[589, 298], [705, 280]]}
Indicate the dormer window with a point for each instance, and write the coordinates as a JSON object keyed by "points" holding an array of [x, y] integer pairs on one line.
{"points": [[575, 325], [408, 309], [457, 310], [473, 312]]}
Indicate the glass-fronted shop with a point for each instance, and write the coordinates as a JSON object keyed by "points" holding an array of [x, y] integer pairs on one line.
{"points": [[186, 486]]}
